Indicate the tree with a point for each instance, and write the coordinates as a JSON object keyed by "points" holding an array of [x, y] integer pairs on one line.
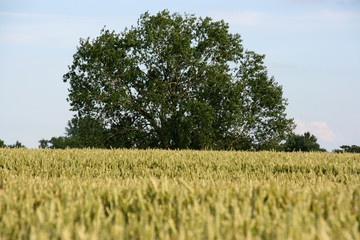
{"points": [[80, 133], [304, 143], [16, 145], [2, 144], [176, 81], [61, 142], [44, 144], [349, 149]]}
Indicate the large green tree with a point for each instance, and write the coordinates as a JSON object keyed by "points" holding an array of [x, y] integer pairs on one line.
{"points": [[177, 81]]}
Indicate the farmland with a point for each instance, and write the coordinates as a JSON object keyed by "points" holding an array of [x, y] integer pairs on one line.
{"points": [[159, 194]]}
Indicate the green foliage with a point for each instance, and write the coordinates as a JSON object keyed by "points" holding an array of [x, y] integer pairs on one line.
{"points": [[61, 142], [175, 82], [156, 194], [16, 145], [80, 133], [2, 144], [304, 143], [349, 149]]}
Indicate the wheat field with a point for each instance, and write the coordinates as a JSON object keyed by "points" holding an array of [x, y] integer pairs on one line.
{"points": [[161, 194]]}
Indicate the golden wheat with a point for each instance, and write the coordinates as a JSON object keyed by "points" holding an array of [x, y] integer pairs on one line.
{"points": [[158, 194]]}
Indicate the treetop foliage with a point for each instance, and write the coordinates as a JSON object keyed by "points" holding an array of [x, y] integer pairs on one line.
{"points": [[174, 81], [305, 143], [16, 145], [349, 149]]}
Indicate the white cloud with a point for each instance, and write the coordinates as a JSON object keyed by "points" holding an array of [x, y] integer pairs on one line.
{"points": [[319, 128], [322, 130], [300, 127]]}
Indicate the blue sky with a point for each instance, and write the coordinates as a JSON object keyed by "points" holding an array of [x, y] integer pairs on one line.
{"points": [[312, 49]]}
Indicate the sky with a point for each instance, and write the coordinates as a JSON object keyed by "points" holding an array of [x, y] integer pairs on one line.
{"points": [[312, 49]]}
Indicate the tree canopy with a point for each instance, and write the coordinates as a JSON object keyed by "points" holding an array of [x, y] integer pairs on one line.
{"points": [[174, 81], [349, 149], [2, 144], [305, 143], [16, 145]]}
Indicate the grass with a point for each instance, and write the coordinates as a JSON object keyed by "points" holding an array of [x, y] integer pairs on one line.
{"points": [[158, 194]]}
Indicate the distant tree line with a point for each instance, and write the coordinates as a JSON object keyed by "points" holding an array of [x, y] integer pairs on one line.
{"points": [[87, 133], [305, 143], [83, 139], [16, 145], [349, 149]]}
